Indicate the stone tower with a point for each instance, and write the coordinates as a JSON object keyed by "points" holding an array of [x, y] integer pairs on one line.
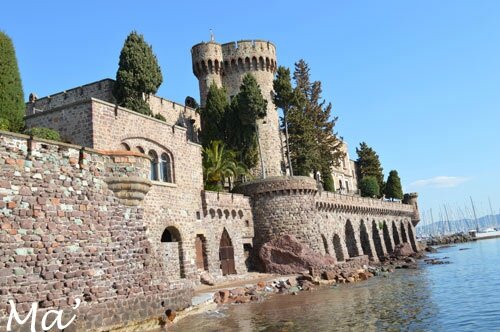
{"points": [[226, 65]]}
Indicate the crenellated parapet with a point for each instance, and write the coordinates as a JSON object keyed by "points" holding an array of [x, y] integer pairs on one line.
{"points": [[332, 202]]}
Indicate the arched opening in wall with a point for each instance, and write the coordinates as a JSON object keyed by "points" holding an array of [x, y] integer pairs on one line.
{"points": [[166, 168], [395, 234], [247, 63], [172, 243], [412, 238], [387, 239], [125, 146], [325, 244], [247, 250], [337, 246], [350, 240], [200, 245], [377, 241], [140, 149], [254, 63], [404, 238], [226, 254], [365, 240], [153, 175]]}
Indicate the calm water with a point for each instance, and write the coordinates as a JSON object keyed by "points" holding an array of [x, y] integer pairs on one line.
{"points": [[461, 296]]}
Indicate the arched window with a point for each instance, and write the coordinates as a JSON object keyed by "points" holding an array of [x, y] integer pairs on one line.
{"points": [[154, 165], [165, 168], [140, 149], [125, 146]]}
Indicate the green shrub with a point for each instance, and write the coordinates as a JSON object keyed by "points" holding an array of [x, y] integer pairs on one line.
{"points": [[160, 117], [42, 132], [369, 187], [4, 124]]}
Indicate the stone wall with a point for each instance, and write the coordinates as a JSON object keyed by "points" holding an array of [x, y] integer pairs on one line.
{"points": [[68, 232], [339, 225]]}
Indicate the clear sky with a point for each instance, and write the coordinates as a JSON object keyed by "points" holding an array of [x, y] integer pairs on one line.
{"points": [[419, 81]]}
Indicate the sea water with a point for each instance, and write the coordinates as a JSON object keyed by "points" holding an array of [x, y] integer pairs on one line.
{"points": [[463, 295]]}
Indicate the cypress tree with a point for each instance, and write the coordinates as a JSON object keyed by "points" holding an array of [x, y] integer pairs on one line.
{"points": [[241, 121], [138, 75], [213, 116], [369, 187], [369, 164], [393, 187], [11, 91], [283, 98]]}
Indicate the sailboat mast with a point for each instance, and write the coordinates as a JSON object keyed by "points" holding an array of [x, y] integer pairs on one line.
{"points": [[491, 210], [474, 210]]}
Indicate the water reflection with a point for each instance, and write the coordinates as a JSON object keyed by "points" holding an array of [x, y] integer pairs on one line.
{"points": [[461, 296]]}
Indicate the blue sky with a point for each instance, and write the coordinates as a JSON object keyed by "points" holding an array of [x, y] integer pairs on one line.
{"points": [[419, 81]]}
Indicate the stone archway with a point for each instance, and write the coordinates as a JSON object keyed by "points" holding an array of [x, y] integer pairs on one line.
{"points": [[174, 257], [387, 239], [365, 240], [395, 234], [350, 240], [201, 252], [377, 241], [412, 238], [226, 254], [337, 246], [404, 237], [325, 244]]}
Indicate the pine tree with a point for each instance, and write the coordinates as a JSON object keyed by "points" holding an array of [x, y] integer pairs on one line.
{"points": [[393, 187], [241, 121], [213, 116], [369, 164], [11, 91], [369, 187], [138, 75]]}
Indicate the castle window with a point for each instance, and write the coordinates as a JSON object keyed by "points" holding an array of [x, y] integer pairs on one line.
{"points": [[154, 165], [165, 168], [125, 146], [140, 149]]}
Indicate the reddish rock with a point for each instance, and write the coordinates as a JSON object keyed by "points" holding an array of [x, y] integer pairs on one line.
{"points": [[403, 249], [286, 255], [329, 275]]}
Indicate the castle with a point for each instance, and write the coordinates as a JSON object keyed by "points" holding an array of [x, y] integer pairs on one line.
{"points": [[118, 214]]}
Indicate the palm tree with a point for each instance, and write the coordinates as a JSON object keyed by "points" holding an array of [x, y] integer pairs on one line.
{"points": [[219, 164]]}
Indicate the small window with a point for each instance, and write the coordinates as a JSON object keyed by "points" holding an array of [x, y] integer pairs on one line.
{"points": [[165, 168], [125, 146], [140, 149], [154, 165]]}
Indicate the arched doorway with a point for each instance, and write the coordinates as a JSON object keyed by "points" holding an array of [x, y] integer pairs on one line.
{"points": [[365, 240], [403, 232], [350, 240], [226, 254], [412, 238], [337, 246], [201, 252], [172, 246], [377, 241], [325, 244], [395, 234], [387, 239]]}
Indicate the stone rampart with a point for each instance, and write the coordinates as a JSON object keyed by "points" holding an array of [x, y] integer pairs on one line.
{"points": [[68, 231]]}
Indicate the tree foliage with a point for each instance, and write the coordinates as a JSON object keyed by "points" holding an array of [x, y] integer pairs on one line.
{"points": [[220, 164], [393, 189], [213, 116], [138, 75], [11, 91], [240, 120], [313, 143], [369, 164], [369, 187]]}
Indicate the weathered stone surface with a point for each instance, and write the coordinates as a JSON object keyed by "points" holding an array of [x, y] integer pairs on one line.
{"points": [[286, 255], [403, 249]]}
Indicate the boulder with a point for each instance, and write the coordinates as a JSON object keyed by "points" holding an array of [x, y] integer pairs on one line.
{"points": [[207, 279], [403, 250], [329, 275], [292, 282], [287, 255]]}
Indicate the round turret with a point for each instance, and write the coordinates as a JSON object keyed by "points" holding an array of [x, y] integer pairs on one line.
{"points": [[258, 58], [207, 66]]}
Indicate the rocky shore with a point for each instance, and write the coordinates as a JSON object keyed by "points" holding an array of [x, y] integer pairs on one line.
{"points": [[448, 239]]}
